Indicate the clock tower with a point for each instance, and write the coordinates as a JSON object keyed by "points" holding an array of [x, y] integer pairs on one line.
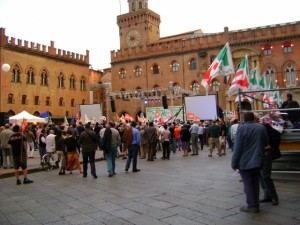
{"points": [[139, 26]]}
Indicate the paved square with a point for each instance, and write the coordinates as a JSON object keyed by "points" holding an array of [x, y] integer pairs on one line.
{"points": [[192, 190]]}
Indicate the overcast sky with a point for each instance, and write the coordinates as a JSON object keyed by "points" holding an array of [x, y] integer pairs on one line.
{"points": [[80, 25]]}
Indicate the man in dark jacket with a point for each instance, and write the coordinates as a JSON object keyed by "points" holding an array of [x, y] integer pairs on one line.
{"points": [[251, 140], [151, 137], [266, 181], [89, 142]]}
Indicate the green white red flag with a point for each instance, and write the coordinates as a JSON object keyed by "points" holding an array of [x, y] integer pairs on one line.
{"points": [[222, 65], [262, 82], [240, 80], [253, 80]]}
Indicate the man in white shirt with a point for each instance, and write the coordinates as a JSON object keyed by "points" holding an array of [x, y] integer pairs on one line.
{"points": [[194, 137], [200, 135], [234, 128]]}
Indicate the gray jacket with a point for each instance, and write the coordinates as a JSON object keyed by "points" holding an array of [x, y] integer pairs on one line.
{"points": [[251, 140]]}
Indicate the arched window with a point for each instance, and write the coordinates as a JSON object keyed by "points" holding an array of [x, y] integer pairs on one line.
{"points": [[138, 71], [155, 69], [83, 102], [44, 78], [193, 64], [175, 66], [195, 88], [140, 5], [60, 80], [72, 82], [48, 103], [270, 77], [30, 76], [36, 100], [10, 99], [61, 102], [133, 6], [24, 100], [82, 84], [72, 102], [16, 74], [122, 73], [290, 76]]}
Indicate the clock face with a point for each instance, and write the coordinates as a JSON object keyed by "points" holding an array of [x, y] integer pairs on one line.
{"points": [[133, 38]]}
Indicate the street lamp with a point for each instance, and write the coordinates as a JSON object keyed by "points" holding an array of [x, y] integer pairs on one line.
{"points": [[216, 89]]}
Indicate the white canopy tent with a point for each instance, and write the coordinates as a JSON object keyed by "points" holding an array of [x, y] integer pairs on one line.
{"points": [[29, 118]]}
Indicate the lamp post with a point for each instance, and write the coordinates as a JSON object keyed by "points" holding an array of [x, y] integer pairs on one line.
{"points": [[216, 89], [172, 95]]}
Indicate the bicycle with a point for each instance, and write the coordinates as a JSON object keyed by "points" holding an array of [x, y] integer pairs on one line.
{"points": [[47, 161]]}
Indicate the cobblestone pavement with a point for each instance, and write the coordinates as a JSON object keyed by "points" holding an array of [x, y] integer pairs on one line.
{"points": [[179, 191]]}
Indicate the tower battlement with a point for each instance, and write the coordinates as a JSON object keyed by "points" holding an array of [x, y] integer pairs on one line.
{"points": [[205, 41], [39, 49]]}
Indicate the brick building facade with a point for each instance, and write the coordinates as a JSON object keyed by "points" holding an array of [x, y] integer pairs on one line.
{"points": [[42, 78], [147, 66]]}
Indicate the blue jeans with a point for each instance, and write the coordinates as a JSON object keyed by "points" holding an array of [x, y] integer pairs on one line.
{"points": [[174, 145], [110, 158], [132, 155], [178, 144]]}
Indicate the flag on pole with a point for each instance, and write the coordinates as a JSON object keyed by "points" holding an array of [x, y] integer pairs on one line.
{"points": [[24, 124], [86, 119], [72, 119], [66, 123], [253, 80], [222, 65], [240, 80], [262, 82], [44, 114]]}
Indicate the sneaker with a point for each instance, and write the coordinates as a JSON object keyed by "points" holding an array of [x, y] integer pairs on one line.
{"points": [[209, 155], [27, 181], [249, 209], [18, 182]]}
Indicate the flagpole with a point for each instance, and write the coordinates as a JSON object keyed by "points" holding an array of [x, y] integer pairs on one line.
{"points": [[240, 104]]}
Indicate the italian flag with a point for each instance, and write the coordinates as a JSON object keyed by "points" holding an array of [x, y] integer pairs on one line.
{"points": [[262, 82], [86, 119], [66, 123], [253, 79], [222, 65], [240, 80], [172, 117]]}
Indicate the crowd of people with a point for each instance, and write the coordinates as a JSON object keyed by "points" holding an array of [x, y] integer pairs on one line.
{"points": [[253, 144]]}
